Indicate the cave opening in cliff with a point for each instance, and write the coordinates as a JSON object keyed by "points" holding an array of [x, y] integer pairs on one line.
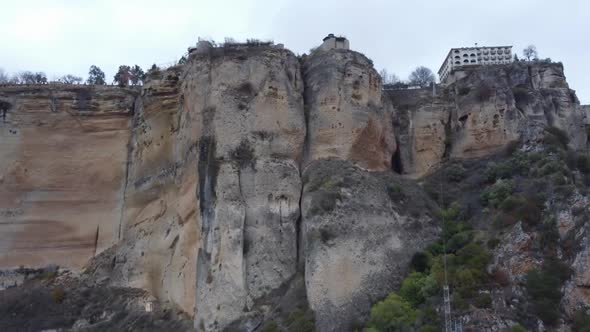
{"points": [[396, 161]]}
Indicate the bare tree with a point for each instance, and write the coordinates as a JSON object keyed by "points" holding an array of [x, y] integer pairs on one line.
{"points": [[3, 77], [387, 78], [70, 79], [28, 77], [530, 53], [421, 76]]}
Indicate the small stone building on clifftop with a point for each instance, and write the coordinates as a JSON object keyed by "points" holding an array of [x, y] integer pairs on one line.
{"points": [[331, 42], [473, 56]]}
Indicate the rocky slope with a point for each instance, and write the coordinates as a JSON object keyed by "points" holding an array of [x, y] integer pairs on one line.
{"points": [[233, 184]]}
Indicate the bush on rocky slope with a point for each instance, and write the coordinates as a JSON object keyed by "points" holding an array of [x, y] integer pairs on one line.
{"points": [[516, 193]]}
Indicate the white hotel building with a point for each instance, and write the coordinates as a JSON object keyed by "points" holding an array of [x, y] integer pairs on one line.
{"points": [[473, 56]]}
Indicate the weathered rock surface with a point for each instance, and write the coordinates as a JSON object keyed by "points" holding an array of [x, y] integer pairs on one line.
{"points": [[63, 153], [421, 123], [345, 114], [486, 109], [248, 107], [360, 230], [159, 231], [195, 183]]}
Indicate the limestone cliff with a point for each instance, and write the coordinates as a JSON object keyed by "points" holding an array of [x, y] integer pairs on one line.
{"points": [[482, 112], [247, 175], [346, 117], [63, 156], [247, 106], [355, 230]]}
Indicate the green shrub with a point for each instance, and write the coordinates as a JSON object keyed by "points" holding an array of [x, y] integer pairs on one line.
{"points": [[392, 314], [271, 327], [464, 90], [58, 294], [301, 320], [583, 163], [493, 242], [395, 193], [420, 261], [518, 328], [483, 300], [544, 289], [455, 173], [581, 322], [459, 240], [411, 288], [428, 328], [523, 208], [497, 193], [549, 235], [556, 138], [518, 164]]}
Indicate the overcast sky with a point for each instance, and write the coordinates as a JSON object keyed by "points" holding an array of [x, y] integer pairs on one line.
{"points": [[67, 36]]}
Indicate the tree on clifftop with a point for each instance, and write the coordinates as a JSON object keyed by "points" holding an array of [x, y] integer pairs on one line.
{"points": [[388, 78], [137, 75], [530, 53], [70, 79], [3, 77], [123, 75], [95, 76], [421, 76], [27, 77]]}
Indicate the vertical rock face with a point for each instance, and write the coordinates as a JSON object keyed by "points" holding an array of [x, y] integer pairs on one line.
{"points": [[421, 126], [159, 232], [486, 109], [360, 230], [354, 234], [63, 151], [248, 109], [346, 117]]}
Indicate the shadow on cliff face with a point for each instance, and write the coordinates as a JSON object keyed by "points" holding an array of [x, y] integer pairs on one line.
{"points": [[4, 107]]}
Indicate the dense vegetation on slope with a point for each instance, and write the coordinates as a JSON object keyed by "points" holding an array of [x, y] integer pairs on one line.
{"points": [[486, 200]]}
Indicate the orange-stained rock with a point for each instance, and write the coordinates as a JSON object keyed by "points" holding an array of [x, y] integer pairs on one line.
{"points": [[346, 118], [63, 157]]}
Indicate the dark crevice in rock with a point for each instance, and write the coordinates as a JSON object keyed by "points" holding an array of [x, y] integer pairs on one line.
{"points": [[208, 169], [448, 137], [96, 239], [4, 107], [396, 159]]}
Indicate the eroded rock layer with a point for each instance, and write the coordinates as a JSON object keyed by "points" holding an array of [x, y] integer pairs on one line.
{"points": [[63, 156], [346, 117]]}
